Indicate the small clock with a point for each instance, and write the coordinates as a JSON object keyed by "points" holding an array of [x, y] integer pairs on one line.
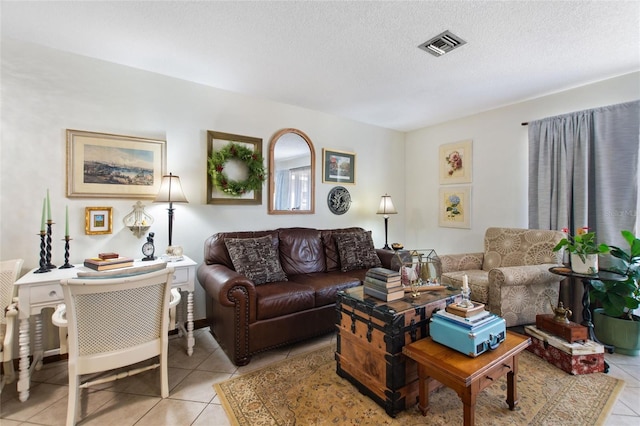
{"points": [[339, 200], [148, 248]]}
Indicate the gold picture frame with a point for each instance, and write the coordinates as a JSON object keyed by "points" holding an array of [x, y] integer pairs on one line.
{"points": [[217, 141], [98, 220], [113, 166], [456, 162], [454, 207], [338, 166]]}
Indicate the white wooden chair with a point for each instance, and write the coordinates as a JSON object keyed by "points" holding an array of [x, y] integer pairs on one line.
{"points": [[114, 323], [9, 271]]}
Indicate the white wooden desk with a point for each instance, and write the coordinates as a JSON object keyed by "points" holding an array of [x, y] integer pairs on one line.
{"points": [[39, 291]]}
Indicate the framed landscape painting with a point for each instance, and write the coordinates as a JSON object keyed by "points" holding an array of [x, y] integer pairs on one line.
{"points": [[338, 166], [455, 162], [98, 220], [104, 165], [455, 207]]}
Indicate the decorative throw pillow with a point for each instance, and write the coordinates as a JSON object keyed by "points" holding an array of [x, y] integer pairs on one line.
{"points": [[356, 251], [256, 259]]}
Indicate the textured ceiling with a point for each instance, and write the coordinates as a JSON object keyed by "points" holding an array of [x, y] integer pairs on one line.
{"points": [[353, 59]]}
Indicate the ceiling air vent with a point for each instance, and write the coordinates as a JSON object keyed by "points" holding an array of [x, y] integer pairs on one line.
{"points": [[442, 43]]}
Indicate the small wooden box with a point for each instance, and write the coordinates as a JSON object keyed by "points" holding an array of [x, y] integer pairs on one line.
{"points": [[571, 332], [574, 358], [371, 335]]}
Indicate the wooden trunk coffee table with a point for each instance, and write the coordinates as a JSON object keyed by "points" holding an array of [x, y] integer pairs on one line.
{"points": [[371, 335], [465, 375]]}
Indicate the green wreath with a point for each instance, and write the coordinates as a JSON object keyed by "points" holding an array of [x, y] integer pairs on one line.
{"points": [[255, 169]]}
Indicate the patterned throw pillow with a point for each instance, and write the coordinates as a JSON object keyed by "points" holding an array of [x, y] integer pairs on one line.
{"points": [[356, 251], [256, 259]]}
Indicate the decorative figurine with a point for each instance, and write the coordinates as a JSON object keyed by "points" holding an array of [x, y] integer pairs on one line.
{"points": [[560, 313], [148, 248]]}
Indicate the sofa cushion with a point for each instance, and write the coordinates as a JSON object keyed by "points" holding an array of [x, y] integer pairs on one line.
{"points": [[215, 250], [332, 257], [327, 284], [301, 251], [356, 251], [256, 258], [277, 299]]}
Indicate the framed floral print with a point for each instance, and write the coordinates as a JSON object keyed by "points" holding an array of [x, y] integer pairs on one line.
{"points": [[455, 162], [455, 207]]}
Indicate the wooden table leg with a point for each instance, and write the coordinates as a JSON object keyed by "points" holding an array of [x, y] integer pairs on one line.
{"points": [[423, 390], [468, 397], [512, 384]]}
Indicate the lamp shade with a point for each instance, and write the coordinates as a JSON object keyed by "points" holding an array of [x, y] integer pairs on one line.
{"points": [[170, 190], [386, 205]]}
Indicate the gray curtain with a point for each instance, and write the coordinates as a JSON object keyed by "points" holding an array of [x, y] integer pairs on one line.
{"points": [[583, 171]]}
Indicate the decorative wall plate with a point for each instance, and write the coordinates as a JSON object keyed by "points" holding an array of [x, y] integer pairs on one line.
{"points": [[339, 200]]}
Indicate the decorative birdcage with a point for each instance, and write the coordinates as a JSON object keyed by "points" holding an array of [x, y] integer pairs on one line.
{"points": [[421, 267]]}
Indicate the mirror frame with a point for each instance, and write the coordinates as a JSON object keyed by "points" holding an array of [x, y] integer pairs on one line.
{"points": [[272, 146]]}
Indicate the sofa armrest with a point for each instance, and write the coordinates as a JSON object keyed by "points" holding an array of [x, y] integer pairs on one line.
{"points": [[461, 262], [228, 288], [524, 275], [385, 257]]}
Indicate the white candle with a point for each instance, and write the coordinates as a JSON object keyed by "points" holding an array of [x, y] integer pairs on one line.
{"points": [[465, 282]]}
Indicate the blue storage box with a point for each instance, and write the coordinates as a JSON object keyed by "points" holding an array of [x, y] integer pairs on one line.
{"points": [[471, 340]]}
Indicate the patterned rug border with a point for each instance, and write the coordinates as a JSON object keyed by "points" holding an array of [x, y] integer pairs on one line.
{"points": [[538, 419]]}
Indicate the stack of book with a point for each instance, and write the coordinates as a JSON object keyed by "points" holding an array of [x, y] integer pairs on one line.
{"points": [[466, 317], [105, 264], [383, 284]]}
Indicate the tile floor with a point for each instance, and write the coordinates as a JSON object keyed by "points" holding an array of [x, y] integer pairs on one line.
{"points": [[192, 400]]}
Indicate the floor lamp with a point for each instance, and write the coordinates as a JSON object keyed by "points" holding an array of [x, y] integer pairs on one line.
{"points": [[386, 208], [171, 192]]}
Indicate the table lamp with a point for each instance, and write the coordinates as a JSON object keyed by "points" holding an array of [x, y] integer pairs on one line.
{"points": [[386, 208], [171, 192]]}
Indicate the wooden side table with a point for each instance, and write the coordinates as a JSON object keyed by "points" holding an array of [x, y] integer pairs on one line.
{"points": [[467, 376]]}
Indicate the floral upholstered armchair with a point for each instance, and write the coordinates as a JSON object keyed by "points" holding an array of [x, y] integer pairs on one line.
{"points": [[511, 277]]}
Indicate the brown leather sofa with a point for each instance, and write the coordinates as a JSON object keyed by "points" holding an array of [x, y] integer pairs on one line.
{"points": [[246, 318]]}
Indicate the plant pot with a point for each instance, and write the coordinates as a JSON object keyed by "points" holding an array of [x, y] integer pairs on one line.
{"points": [[621, 333], [588, 267]]}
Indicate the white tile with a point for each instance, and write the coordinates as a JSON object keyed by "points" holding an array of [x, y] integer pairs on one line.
{"points": [[172, 412], [212, 415], [198, 386]]}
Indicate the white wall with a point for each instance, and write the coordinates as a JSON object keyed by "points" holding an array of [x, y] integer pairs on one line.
{"points": [[45, 92], [500, 164]]}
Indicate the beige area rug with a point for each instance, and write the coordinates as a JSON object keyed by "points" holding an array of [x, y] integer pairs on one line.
{"points": [[305, 390]]}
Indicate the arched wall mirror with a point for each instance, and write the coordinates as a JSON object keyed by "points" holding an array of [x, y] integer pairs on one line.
{"points": [[292, 171]]}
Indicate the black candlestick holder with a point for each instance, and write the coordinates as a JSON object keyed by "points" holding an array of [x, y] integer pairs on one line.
{"points": [[66, 265], [49, 264], [43, 254]]}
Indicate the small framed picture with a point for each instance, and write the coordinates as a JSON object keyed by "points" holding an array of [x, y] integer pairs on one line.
{"points": [[455, 207], [338, 166], [98, 220], [455, 162]]}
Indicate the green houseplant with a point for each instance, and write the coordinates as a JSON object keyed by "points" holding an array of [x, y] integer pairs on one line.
{"points": [[615, 323], [582, 246]]}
